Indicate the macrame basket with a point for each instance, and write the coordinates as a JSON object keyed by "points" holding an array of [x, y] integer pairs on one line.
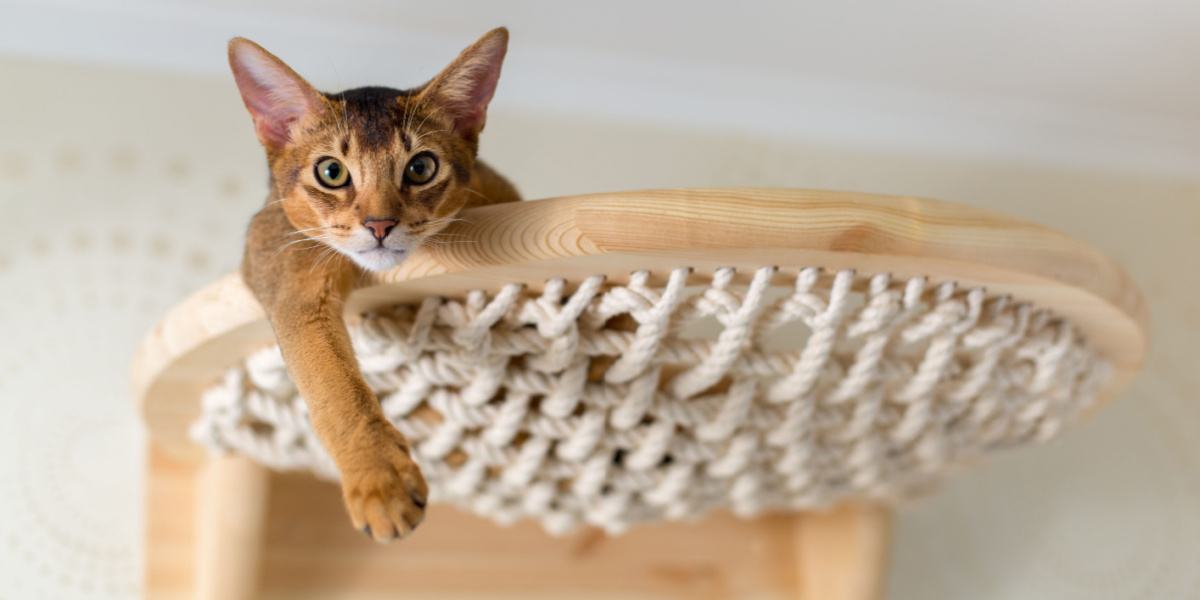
{"points": [[620, 359], [613, 404]]}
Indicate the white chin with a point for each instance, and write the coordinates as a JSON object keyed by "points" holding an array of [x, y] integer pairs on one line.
{"points": [[378, 259]]}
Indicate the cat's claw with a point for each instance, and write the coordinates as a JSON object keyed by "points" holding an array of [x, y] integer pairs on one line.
{"points": [[385, 493]]}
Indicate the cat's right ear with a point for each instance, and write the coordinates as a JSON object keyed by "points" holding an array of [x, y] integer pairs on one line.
{"points": [[273, 93]]}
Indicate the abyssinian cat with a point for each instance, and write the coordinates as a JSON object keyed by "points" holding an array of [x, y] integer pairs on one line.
{"points": [[359, 179]]}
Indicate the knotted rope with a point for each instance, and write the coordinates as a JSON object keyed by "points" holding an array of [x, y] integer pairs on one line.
{"points": [[615, 404]]}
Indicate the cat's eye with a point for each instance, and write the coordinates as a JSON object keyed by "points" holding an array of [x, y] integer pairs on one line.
{"points": [[332, 173], [420, 169]]}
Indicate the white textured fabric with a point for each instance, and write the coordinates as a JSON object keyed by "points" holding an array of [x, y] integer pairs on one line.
{"points": [[611, 405]]}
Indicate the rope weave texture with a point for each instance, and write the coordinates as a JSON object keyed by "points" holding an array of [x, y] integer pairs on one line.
{"points": [[614, 404]]}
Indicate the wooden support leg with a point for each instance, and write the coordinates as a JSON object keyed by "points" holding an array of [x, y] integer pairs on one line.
{"points": [[208, 537], [231, 505], [842, 554]]}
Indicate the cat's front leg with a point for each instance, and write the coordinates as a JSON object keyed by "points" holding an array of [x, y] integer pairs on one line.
{"points": [[382, 486]]}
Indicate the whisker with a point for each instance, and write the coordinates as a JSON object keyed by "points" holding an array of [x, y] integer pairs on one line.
{"points": [[444, 234], [322, 240], [411, 110], [304, 231], [345, 121], [418, 132], [421, 126], [337, 123], [448, 220], [363, 275], [408, 112], [433, 242], [451, 234], [485, 198], [300, 241], [323, 258], [421, 133], [318, 236]]}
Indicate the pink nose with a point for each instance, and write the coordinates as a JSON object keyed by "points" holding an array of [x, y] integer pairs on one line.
{"points": [[380, 227]]}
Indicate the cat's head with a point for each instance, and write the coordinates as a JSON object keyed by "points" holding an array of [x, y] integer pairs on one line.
{"points": [[371, 172]]}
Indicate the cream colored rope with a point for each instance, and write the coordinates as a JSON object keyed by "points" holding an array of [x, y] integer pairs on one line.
{"points": [[615, 404]]}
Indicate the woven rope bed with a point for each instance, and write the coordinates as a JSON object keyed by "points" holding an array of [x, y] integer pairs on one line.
{"points": [[629, 358], [551, 409]]}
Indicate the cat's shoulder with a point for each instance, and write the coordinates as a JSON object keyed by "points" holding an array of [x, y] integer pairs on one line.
{"points": [[491, 187]]}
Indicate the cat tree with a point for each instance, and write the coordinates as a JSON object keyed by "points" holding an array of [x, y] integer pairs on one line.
{"points": [[678, 393]]}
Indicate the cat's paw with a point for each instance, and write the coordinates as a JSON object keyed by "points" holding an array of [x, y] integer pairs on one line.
{"points": [[384, 490]]}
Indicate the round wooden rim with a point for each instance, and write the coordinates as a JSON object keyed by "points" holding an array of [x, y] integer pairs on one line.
{"points": [[616, 234]]}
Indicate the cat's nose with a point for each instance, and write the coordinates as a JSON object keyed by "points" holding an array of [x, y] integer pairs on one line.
{"points": [[380, 227]]}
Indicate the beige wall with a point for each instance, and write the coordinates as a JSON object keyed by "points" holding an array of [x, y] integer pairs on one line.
{"points": [[122, 191]]}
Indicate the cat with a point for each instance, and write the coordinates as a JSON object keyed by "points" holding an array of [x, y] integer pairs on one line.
{"points": [[359, 180]]}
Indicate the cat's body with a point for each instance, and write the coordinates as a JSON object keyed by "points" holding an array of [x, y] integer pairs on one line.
{"points": [[359, 180]]}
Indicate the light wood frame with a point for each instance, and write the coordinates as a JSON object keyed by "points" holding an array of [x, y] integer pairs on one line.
{"points": [[228, 529]]}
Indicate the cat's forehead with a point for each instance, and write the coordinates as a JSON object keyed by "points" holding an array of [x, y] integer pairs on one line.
{"points": [[374, 117]]}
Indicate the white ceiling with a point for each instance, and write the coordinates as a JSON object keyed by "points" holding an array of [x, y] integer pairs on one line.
{"points": [[1094, 83]]}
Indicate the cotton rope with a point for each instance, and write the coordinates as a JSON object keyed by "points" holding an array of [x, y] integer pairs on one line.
{"points": [[611, 405]]}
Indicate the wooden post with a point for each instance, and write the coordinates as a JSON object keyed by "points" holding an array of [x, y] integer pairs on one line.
{"points": [[842, 554], [231, 502]]}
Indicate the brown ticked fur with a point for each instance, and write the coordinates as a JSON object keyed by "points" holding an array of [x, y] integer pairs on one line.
{"points": [[293, 264]]}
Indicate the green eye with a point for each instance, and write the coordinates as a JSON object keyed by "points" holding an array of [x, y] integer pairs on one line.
{"points": [[421, 169], [332, 173]]}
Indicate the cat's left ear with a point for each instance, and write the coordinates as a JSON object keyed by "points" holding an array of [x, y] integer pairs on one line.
{"points": [[465, 88], [273, 93]]}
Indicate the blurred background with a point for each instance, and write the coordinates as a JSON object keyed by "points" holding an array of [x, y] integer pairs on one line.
{"points": [[128, 170]]}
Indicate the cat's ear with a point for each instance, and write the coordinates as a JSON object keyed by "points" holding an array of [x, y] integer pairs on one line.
{"points": [[274, 94], [465, 88]]}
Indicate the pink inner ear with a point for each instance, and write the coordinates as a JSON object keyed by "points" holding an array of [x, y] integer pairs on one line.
{"points": [[275, 96], [469, 87]]}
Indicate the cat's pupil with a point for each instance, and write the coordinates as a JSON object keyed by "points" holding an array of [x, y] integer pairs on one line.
{"points": [[333, 171]]}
